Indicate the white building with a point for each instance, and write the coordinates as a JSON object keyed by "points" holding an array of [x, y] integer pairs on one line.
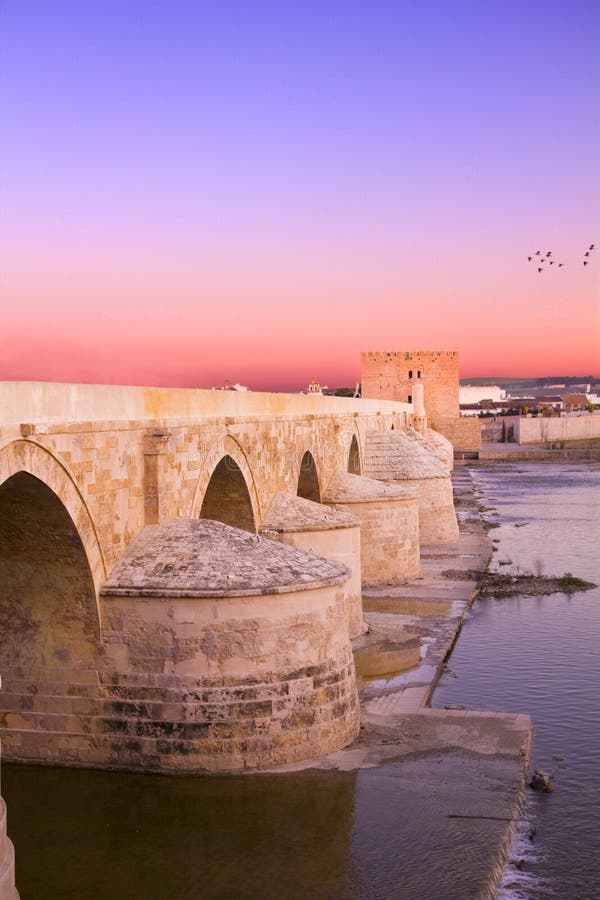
{"points": [[475, 394]]}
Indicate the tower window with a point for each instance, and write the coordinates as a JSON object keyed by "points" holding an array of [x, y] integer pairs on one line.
{"points": [[410, 373], [410, 398], [418, 373]]}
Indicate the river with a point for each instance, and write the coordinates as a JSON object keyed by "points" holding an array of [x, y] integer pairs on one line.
{"points": [[541, 655], [379, 834]]}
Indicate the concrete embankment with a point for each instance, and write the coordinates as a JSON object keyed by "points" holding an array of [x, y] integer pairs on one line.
{"points": [[526, 452], [466, 768]]}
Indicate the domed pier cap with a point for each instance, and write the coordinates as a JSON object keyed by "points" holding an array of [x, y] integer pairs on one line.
{"points": [[435, 443], [328, 531], [441, 447], [347, 488], [204, 558], [395, 456], [289, 513]]}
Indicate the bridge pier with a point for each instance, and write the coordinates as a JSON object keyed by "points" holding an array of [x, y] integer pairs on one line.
{"points": [[224, 651], [326, 531], [397, 458], [389, 531]]}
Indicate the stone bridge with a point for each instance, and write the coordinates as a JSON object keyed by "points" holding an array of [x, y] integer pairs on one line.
{"points": [[135, 635]]}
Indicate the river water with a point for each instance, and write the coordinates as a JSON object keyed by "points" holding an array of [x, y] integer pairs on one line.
{"points": [[381, 834], [541, 655]]}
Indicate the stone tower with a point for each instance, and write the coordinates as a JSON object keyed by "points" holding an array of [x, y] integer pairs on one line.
{"points": [[392, 375]]}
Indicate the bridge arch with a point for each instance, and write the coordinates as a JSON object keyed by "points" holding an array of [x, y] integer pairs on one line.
{"points": [[226, 489], [308, 479], [27, 456], [48, 608]]}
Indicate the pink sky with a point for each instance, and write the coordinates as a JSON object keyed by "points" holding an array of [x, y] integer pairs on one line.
{"points": [[189, 201]]}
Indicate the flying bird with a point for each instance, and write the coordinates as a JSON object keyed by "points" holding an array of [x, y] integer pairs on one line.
{"points": [[560, 264], [538, 252], [549, 253], [541, 270], [529, 258], [585, 262], [587, 254], [591, 247], [551, 262]]}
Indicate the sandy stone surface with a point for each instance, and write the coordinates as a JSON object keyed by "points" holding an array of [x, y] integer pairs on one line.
{"points": [[202, 558], [347, 488], [398, 455], [288, 512]]}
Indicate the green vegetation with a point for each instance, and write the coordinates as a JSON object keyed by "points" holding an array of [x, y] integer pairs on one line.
{"points": [[340, 392], [499, 584], [570, 583]]}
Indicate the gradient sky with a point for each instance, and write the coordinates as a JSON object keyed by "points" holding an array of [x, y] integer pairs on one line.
{"points": [[258, 191]]}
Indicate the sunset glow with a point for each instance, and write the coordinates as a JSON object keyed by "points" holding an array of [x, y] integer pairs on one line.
{"points": [[259, 192]]}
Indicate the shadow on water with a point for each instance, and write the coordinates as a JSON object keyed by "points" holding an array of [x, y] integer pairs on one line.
{"points": [[83, 834], [374, 835]]}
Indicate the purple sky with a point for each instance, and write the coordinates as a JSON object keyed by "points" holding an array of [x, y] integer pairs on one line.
{"points": [[259, 191]]}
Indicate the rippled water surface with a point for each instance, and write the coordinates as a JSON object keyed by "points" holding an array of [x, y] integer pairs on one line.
{"points": [[541, 655]]}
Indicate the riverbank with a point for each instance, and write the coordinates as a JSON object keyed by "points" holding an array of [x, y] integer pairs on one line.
{"points": [[412, 629], [539, 654], [474, 763], [496, 452]]}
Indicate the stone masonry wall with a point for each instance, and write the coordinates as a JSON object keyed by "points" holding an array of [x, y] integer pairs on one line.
{"points": [[129, 474], [343, 545], [543, 430], [178, 690], [389, 533], [237, 683], [391, 376], [464, 433], [437, 516]]}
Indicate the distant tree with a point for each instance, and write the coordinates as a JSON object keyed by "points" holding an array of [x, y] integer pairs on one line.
{"points": [[340, 392]]}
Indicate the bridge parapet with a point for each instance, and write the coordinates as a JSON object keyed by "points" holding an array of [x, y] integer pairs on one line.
{"points": [[135, 471], [30, 401]]}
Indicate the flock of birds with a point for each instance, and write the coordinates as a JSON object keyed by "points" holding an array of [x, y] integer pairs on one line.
{"points": [[540, 258]]}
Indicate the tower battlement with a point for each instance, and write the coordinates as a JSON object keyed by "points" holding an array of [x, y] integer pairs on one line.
{"points": [[392, 374]]}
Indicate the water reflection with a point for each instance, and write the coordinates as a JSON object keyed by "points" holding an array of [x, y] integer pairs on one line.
{"points": [[379, 834], [83, 834]]}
